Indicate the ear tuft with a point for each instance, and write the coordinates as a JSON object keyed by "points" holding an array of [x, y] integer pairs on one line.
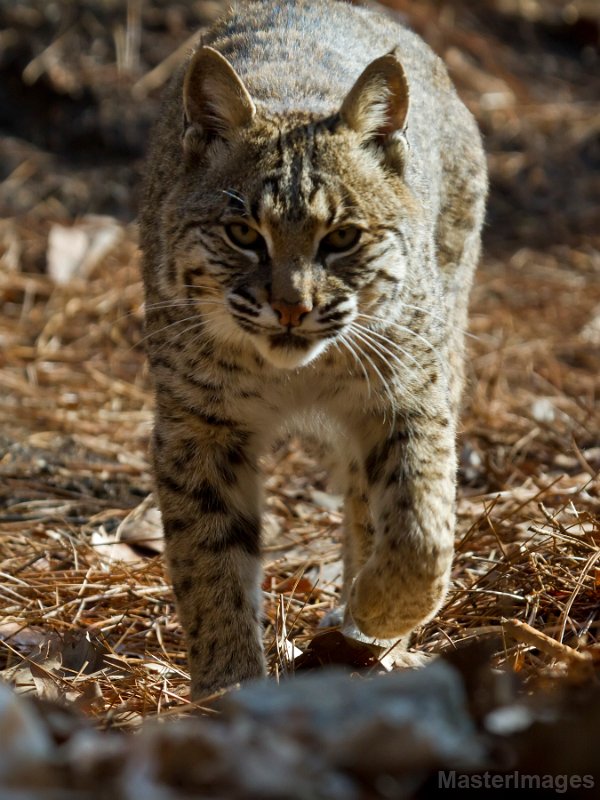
{"points": [[377, 105], [214, 96]]}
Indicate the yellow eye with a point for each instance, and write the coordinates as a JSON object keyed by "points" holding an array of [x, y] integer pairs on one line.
{"points": [[341, 239], [244, 236]]}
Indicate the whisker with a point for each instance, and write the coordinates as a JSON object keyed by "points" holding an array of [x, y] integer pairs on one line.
{"points": [[381, 350], [198, 318], [167, 304], [371, 332], [342, 339], [437, 317], [377, 348], [384, 384], [235, 195], [214, 328], [360, 357], [374, 345], [190, 304], [406, 330], [166, 327], [201, 285], [166, 344], [431, 314], [217, 322], [163, 304]]}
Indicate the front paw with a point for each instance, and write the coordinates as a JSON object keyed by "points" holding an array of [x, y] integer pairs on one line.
{"points": [[208, 682], [230, 662], [387, 601]]}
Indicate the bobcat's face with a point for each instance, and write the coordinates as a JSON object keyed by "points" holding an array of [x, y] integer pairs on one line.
{"points": [[288, 236], [285, 230]]}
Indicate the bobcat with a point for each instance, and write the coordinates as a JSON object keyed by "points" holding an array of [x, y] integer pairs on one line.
{"points": [[310, 225]]}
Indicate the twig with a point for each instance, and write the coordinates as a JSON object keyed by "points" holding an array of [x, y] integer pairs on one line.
{"points": [[522, 632]]}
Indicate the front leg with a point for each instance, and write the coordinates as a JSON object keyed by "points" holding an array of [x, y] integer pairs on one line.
{"points": [[411, 474], [208, 491]]}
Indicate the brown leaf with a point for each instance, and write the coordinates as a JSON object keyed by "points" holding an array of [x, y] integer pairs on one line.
{"points": [[334, 648], [46, 684], [294, 586]]}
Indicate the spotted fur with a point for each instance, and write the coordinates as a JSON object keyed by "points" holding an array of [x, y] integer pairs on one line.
{"points": [[293, 120]]}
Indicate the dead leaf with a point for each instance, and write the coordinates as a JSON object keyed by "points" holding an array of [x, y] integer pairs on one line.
{"points": [[143, 526], [111, 549], [334, 648], [19, 634], [292, 586], [46, 684], [74, 251], [82, 652]]}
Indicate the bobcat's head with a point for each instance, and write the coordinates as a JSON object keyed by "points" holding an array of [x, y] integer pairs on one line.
{"points": [[290, 227]]}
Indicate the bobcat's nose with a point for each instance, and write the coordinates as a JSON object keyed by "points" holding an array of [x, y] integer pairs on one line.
{"points": [[291, 314]]}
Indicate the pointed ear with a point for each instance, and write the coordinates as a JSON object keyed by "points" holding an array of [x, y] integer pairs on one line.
{"points": [[377, 105], [215, 100]]}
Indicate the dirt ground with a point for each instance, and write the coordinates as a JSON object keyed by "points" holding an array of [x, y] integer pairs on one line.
{"points": [[86, 612]]}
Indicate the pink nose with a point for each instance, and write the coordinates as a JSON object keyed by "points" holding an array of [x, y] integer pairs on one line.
{"points": [[291, 313]]}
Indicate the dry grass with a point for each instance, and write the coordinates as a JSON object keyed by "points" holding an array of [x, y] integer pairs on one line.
{"points": [[85, 609]]}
